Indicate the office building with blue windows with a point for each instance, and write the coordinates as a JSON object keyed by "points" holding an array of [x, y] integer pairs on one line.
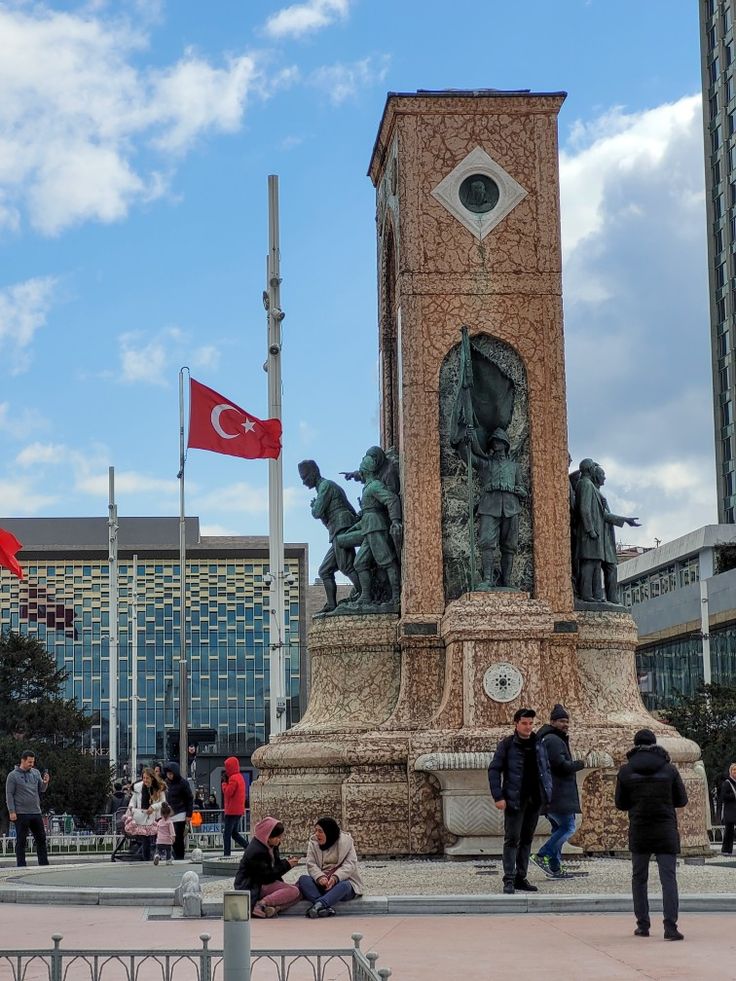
{"points": [[64, 601]]}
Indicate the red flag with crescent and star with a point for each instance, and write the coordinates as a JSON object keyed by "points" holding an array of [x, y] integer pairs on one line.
{"points": [[9, 545], [219, 425]]}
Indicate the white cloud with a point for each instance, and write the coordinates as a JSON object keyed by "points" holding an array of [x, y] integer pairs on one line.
{"points": [[19, 497], [215, 531], [76, 112], [343, 81], [127, 482], [42, 453], [155, 360], [20, 423], [241, 498], [24, 308], [637, 315], [304, 18]]}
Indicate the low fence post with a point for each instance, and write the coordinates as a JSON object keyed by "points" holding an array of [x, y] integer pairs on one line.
{"points": [[56, 970], [206, 958], [236, 936]]}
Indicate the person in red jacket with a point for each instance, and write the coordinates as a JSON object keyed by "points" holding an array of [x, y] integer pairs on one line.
{"points": [[233, 804]]}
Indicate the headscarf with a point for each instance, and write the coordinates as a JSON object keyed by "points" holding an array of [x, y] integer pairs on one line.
{"points": [[331, 829], [262, 831]]}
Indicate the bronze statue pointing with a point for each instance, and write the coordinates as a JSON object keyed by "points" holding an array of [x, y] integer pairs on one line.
{"points": [[332, 507], [378, 532]]}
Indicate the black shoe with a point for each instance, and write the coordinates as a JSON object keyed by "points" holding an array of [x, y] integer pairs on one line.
{"points": [[524, 885], [317, 910], [325, 911], [641, 932], [673, 934], [508, 888]]}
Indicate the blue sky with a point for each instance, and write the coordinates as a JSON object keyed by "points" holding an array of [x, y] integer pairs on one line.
{"points": [[135, 143]]}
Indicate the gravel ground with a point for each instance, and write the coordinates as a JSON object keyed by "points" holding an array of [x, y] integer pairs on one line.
{"points": [[432, 878]]}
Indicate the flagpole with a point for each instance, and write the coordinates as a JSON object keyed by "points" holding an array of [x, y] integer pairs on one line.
{"points": [[112, 527], [183, 677], [275, 470]]}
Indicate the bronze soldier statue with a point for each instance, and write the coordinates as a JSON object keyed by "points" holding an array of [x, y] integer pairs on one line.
{"points": [[332, 507], [498, 509]]}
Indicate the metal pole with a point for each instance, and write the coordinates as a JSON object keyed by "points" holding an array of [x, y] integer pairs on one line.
{"points": [[112, 526], [705, 630], [183, 680], [236, 936], [133, 628], [275, 469]]}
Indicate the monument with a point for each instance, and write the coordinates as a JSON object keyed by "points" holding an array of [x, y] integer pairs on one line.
{"points": [[407, 707]]}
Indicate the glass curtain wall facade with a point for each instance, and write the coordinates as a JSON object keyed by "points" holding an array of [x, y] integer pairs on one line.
{"points": [[65, 604], [676, 666], [719, 117]]}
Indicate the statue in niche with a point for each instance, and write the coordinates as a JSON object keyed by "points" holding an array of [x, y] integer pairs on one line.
{"points": [[378, 534], [498, 510], [483, 410], [332, 507], [595, 537]]}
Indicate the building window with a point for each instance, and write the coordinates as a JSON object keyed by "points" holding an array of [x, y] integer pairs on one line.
{"points": [[729, 54], [727, 20], [715, 138], [721, 308], [729, 88], [718, 239], [723, 345], [727, 447], [728, 515], [727, 413], [715, 70], [724, 377], [720, 275]]}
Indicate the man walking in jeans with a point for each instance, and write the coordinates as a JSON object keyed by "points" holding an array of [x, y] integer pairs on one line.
{"points": [[23, 788], [233, 804], [649, 787], [521, 785], [565, 802]]}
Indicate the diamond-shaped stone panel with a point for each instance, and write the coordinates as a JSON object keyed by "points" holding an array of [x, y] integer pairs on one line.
{"points": [[478, 161]]}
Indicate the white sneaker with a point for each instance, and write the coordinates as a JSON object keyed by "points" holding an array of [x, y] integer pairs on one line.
{"points": [[156, 859], [169, 861]]}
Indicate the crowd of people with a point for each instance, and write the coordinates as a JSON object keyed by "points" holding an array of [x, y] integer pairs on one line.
{"points": [[156, 812], [531, 773]]}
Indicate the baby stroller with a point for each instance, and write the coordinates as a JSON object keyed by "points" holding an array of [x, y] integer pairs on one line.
{"points": [[131, 827]]}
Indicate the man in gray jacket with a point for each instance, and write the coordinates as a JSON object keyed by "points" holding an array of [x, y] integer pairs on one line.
{"points": [[23, 789]]}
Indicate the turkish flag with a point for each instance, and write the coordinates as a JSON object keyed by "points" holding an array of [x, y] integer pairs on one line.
{"points": [[217, 424], [9, 545]]}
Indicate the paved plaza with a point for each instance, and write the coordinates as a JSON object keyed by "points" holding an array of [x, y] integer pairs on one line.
{"points": [[417, 948], [530, 944]]}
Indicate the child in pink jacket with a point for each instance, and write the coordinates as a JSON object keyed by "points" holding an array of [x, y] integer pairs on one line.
{"points": [[165, 835]]}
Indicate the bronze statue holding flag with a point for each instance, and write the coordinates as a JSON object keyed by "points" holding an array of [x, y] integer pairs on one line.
{"points": [[482, 413]]}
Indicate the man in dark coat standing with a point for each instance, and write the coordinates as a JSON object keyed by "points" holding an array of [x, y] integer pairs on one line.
{"points": [[649, 787], [565, 801], [521, 785]]}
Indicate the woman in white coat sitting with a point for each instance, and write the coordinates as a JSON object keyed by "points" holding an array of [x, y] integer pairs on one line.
{"points": [[333, 874]]}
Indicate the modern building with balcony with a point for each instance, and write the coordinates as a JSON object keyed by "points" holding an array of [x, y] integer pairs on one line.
{"points": [[683, 598], [64, 601]]}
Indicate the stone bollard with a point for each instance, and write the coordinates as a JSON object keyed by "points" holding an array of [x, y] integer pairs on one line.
{"points": [[188, 895], [236, 935]]}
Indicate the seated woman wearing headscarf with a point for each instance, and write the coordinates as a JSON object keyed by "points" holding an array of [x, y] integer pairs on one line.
{"points": [[261, 869], [333, 874]]}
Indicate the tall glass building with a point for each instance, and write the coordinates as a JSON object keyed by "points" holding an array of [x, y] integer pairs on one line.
{"points": [[64, 601], [719, 115]]}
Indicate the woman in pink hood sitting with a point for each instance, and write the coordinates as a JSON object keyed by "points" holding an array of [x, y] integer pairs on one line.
{"points": [[261, 869]]}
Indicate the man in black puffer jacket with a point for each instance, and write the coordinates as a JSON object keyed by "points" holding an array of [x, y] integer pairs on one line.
{"points": [[649, 787], [521, 785]]}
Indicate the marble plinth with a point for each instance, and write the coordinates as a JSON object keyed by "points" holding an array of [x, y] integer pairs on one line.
{"points": [[397, 748]]}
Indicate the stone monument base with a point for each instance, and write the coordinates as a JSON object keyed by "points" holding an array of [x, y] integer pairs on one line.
{"points": [[395, 746]]}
